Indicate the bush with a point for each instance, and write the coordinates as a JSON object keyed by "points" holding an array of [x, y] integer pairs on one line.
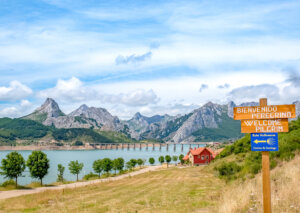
{"points": [[8, 183], [228, 170], [78, 143], [90, 176]]}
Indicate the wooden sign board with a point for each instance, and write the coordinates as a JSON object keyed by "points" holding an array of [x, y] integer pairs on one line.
{"points": [[270, 125], [264, 112]]}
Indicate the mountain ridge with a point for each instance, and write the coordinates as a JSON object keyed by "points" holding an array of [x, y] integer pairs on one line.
{"points": [[202, 123]]}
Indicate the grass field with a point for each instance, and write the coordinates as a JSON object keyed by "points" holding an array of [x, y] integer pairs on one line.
{"points": [[193, 189], [170, 190]]}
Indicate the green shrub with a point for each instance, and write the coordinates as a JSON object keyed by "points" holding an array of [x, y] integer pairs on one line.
{"points": [[228, 170], [8, 183], [90, 176], [78, 143]]}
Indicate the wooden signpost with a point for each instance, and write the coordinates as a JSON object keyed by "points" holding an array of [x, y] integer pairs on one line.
{"points": [[265, 119]]}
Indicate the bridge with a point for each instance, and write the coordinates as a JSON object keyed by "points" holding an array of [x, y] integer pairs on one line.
{"points": [[147, 146]]}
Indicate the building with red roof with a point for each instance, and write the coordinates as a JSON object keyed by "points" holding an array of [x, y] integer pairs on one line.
{"points": [[200, 156]]}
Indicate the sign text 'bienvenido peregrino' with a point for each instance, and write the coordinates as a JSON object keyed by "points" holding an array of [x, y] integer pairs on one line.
{"points": [[264, 112]]}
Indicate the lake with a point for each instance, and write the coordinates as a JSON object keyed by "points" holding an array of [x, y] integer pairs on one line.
{"points": [[87, 157]]}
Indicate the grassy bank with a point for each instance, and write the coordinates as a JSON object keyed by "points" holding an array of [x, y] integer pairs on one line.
{"points": [[170, 190]]}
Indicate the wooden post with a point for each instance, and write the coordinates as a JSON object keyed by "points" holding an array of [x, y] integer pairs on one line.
{"points": [[266, 172]]}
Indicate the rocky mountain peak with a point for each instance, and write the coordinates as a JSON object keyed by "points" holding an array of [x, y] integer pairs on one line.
{"points": [[209, 104], [83, 107], [137, 116], [50, 107]]}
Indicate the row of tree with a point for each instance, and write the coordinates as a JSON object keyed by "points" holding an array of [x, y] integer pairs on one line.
{"points": [[14, 165]]}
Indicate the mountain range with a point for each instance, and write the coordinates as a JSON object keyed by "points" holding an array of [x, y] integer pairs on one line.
{"points": [[211, 122]]}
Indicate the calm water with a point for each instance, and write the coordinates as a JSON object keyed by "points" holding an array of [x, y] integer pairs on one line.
{"points": [[87, 157]]}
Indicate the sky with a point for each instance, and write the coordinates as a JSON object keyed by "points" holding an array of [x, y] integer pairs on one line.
{"points": [[153, 57]]}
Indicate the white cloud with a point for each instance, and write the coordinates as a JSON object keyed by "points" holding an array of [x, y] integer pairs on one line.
{"points": [[254, 92], [14, 91], [203, 87], [71, 90], [25, 104], [9, 112], [138, 97]]}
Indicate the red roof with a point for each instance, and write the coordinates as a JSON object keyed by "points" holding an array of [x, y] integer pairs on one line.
{"points": [[197, 151], [201, 149], [185, 157]]}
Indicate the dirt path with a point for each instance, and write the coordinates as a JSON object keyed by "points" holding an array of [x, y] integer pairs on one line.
{"points": [[16, 193]]}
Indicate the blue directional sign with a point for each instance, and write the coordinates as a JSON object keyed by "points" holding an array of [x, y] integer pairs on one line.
{"points": [[264, 141]]}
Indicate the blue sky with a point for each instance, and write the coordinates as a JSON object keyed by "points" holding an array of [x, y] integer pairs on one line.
{"points": [[155, 57]]}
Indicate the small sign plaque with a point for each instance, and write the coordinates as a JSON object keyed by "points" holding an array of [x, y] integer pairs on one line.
{"points": [[264, 141], [271, 125]]}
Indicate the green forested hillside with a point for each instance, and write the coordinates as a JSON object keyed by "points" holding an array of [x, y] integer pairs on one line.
{"points": [[23, 129], [245, 162], [228, 129]]}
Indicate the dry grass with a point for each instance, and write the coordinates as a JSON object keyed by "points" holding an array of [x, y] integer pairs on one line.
{"points": [[169, 190], [193, 189], [247, 196]]}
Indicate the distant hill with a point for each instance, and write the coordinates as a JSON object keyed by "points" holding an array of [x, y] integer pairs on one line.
{"points": [[13, 130]]}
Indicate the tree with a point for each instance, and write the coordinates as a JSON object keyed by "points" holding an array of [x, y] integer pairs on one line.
{"points": [[151, 161], [168, 159], [140, 162], [115, 165], [38, 165], [131, 164], [75, 168], [128, 165], [120, 164], [175, 158], [98, 166], [60, 175], [181, 158], [161, 159], [13, 166], [107, 165], [78, 143]]}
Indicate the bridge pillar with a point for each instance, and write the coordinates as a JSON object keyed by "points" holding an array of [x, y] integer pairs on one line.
{"points": [[117, 146], [128, 146], [122, 147], [153, 146], [198, 145], [140, 146], [147, 147], [134, 146], [190, 146], [174, 147], [181, 147], [106, 146], [167, 147], [160, 147]]}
